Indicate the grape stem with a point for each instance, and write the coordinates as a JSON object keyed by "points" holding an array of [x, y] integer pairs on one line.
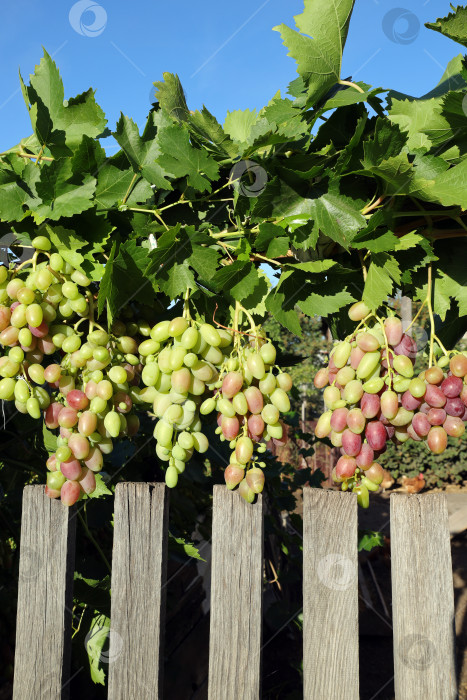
{"points": [[186, 305], [416, 316], [430, 313], [386, 345], [446, 352]]}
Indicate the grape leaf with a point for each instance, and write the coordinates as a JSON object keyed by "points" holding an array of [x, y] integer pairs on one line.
{"points": [[123, 279], [238, 124], [454, 25], [203, 125], [319, 58], [238, 279], [142, 151], [60, 193], [18, 195], [50, 439], [180, 546], [382, 273], [170, 95], [98, 633], [101, 488], [369, 539], [179, 158], [68, 243]]}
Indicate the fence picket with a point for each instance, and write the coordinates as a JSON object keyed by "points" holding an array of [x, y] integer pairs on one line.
{"points": [[138, 591], [236, 597], [330, 595], [423, 598], [45, 598]]}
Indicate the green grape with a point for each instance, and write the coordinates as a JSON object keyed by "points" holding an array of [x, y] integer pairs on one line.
{"points": [[13, 287], [65, 309], [270, 414], [70, 290], [117, 375], [98, 405], [56, 262], [79, 305], [173, 414], [33, 408], [150, 374], [225, 407], [160, 331], [9, 369], [41, 394], [80, 278], [163, 432], [190, 359], [132, 359], [189, 338], [7, 389], [3, 274], [148, 347], [240, 404], [171, 477], [36, 372], [200, 441], [71, 344], [268, 353], [185, 440], [26, 295], [63, 453], [112, 423], [280, 400], [179, 465], [207, 406], [101, 354], [98, 337], [213, 355], [54, 294], [275, 430], [178, 452], [18, 317], [55, 480], [22, 391], [16, 354], [25, 337], [48, 311], [41, 243], [177, 356], [44, 279], [210, 334], [177, 326]]}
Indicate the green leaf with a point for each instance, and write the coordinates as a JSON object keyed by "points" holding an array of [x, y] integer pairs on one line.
{"points": [[449, 188], [67, 243], [181, 546], [454, 25], [123, 279], [204, 126], [95, 639], [204, 262], [81, 116], [238, 124], [382, 273], [415, 117], [238, 279], [319, 58], [101, 489], [60, 193], [170, 95], [50, 439], [142, 152], [388, 140], [179, 158], [369, 539], [18, 194]]}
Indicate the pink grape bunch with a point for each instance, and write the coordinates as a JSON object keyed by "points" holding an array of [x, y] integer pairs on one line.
{"points": [[251, 397], [372, 396]]}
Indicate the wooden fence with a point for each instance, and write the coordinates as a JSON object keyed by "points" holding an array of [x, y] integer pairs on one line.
{"points": [[422, 594]]}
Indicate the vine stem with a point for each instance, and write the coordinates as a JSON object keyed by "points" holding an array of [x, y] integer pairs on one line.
{"points": [[32, 156], [441, 345], [351, 84], [186, 305], [94, 541], [130, 187], [416, 316], [430, 313], [372, 206], [386, 345]]}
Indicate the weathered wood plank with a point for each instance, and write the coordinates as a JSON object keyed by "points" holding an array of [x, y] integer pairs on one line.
{"points": [[45, 597], [330, 595], [236, 597], [422, 598], [139, 565]]}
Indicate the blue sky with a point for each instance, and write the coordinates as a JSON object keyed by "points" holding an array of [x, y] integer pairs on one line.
{"points": [[225, 53]]}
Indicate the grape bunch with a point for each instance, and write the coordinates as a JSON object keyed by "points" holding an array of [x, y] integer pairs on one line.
{"points": [[89, 382], [84, 389], [372, 396]]}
